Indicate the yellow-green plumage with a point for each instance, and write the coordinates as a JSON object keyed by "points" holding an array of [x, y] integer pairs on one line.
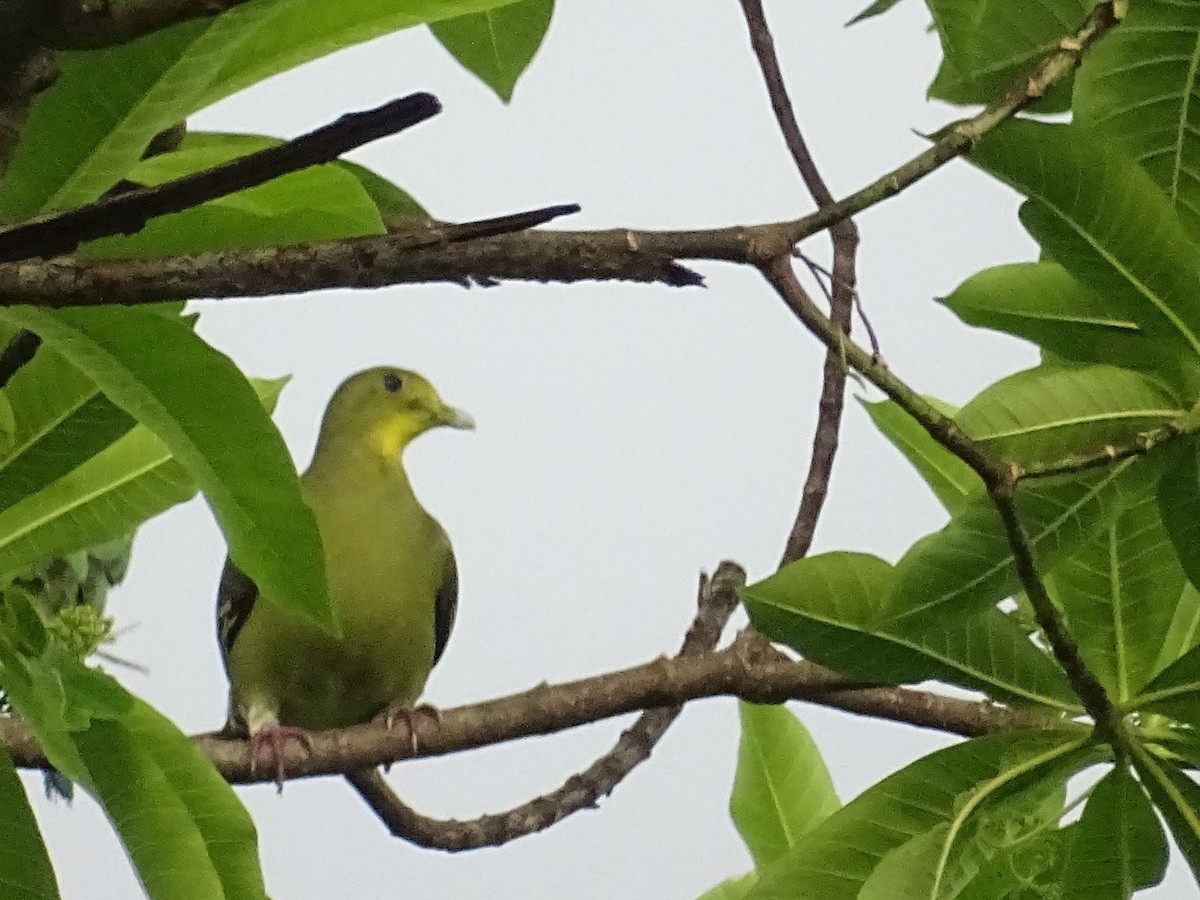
{"points": [[391, 573]]}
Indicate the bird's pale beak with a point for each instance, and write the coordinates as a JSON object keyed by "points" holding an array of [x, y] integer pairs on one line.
{"points": [[453, 417]]}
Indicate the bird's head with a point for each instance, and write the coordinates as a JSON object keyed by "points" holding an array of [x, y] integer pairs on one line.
{"points": [[386, 408]]}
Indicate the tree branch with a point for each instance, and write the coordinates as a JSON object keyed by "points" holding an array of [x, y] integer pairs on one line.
{"points": [[758, 673], [128, 212], [1095, 699], [645, 256], [715, 601]]}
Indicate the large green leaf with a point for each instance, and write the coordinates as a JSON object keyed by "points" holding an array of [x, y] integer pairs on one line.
{"points": [[318, 203], [736, 888], [1175, 691], [101, 496], [1118, 594], [781, 789], [1177, 798], [828, 607], [1138, 87], [995, 815], [158, 830], [1183, 633], [1100, 215], [230, 839], [835, 860], [1179, 503], [1027, 869], [106, 496], [87, 131], [988, 44], [968, 565], [1119, 847], [499, 43], [1051, 412], [205, 411], [951, 479], [25, 869]]}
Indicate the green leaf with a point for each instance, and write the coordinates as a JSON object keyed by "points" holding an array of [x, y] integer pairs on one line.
{"points": [[1118, 594], [225, 826], [25, 869], [498, 44], [318, 203], [781, 789], [151, 367], [968, 565], [987, 46], [1184, 631], [1028, 869], [1175, 691], [301, 30], [60, 447], [77, 143], [1179, 504], [735, 888], [1099, 214], [951, 479], [1022, 800], [1049, 413], [827, 607], [835, 859], [74, 148], [1177, 798], [156, 827], [100, 500], [878, 8], [397, 208], [1138, 87], [1119, 847]]}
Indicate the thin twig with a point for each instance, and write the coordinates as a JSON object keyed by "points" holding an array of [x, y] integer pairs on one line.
{"points": [[128, 212], [1095, 699], [715, 602], [89, 26], [940, 427], [1139, 445], [844, 235], [1000, 478]]}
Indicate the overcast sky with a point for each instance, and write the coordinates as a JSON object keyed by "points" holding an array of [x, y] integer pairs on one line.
{"points": [[628, 436]]}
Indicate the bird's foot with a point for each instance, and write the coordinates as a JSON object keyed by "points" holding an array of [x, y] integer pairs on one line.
{"points": [[268, 748], [408, 714]]}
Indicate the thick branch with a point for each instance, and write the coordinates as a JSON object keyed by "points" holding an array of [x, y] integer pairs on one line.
{"points": [[715, 602], [548, 256], [762, 676]]}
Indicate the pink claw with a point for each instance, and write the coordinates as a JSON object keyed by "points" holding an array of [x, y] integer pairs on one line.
{"points": [[268, 748]]}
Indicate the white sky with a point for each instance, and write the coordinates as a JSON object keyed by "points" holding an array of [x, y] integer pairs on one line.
{"points": [[628, 435]]}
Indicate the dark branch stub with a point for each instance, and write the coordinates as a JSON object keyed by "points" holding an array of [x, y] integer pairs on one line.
{"points": [[128, 212]]}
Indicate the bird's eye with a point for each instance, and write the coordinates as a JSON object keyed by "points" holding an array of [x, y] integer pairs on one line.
{"points": [[391, 382]]}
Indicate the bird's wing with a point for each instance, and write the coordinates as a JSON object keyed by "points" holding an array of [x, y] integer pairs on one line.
{"points": [[235, 600], [445, 607]]}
